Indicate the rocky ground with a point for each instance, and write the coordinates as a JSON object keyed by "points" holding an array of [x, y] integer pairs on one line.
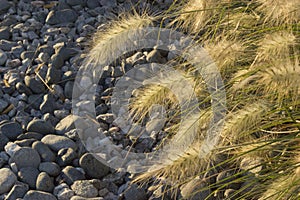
{"points": [[41, 155]]}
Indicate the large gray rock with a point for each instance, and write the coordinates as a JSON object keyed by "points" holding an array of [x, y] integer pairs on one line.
{"points": [[18, 191], [61, 16], [57, 142], [11, 130], [93, 167], [135, 193], [40, 126], [50, 168], [36, 86], [29, 176], [44, 183], [71, 174], [5, 5], [7, 180], [84, 188], [38, 195], [46, 154], [26, 157]]}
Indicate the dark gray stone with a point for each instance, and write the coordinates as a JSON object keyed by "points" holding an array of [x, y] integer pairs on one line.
{"points": [[7, 180], [18, 191], [68, 91], [53, 75], [93, 3], [30, 135], [4, 33], [57, 142], [29, 176], [40, 126], [3, 58], [50, 168], [93, 167], [71, 174], [6, 45], [35, 85], [111, 3], [44, 183], [38, 195], [135, 193], [76, 2], [11, 130], [22, 88], [46, 154], [48, 105], [35, 101], [65, 156], [25, 142], [3, 105], [27, 54], [61, 17], [3, 141], [5, 5], [26, 157]]}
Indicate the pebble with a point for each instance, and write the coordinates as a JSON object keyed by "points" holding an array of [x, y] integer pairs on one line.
{"points": [[135, 193], [44, 151], [5, 5], [3, 141], [48, 105], [65, 156], [53, 75], [93, 167], [40, 126], [38, 195], [50, 168], [44, 182], [29, 176], [71, 174], [61, 16], [57, 142], [18, 191], [26, 157], [3, 58], [66, 124], [7, 180], [36, 87], [84, 188], [65, 194], [84, 198], [30, 135], [11, 130]]}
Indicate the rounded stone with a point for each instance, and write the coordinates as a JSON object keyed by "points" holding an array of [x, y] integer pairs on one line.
{"points": [[93, 167], [7, 180], [29, 175], [46, 154], [50, 168], [26, 157], [40, 126], [38, 195], [44, 182], [57, 142], [11, 130], [84, 188]]}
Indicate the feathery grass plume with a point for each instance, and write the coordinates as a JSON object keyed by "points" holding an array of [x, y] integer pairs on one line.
{"points": [[106, 42], [195, 14], [279, 12], [240, 124], [179, 162], [286, 186], [280, 81], [149, 95], [226, 53], [276, 45]]}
